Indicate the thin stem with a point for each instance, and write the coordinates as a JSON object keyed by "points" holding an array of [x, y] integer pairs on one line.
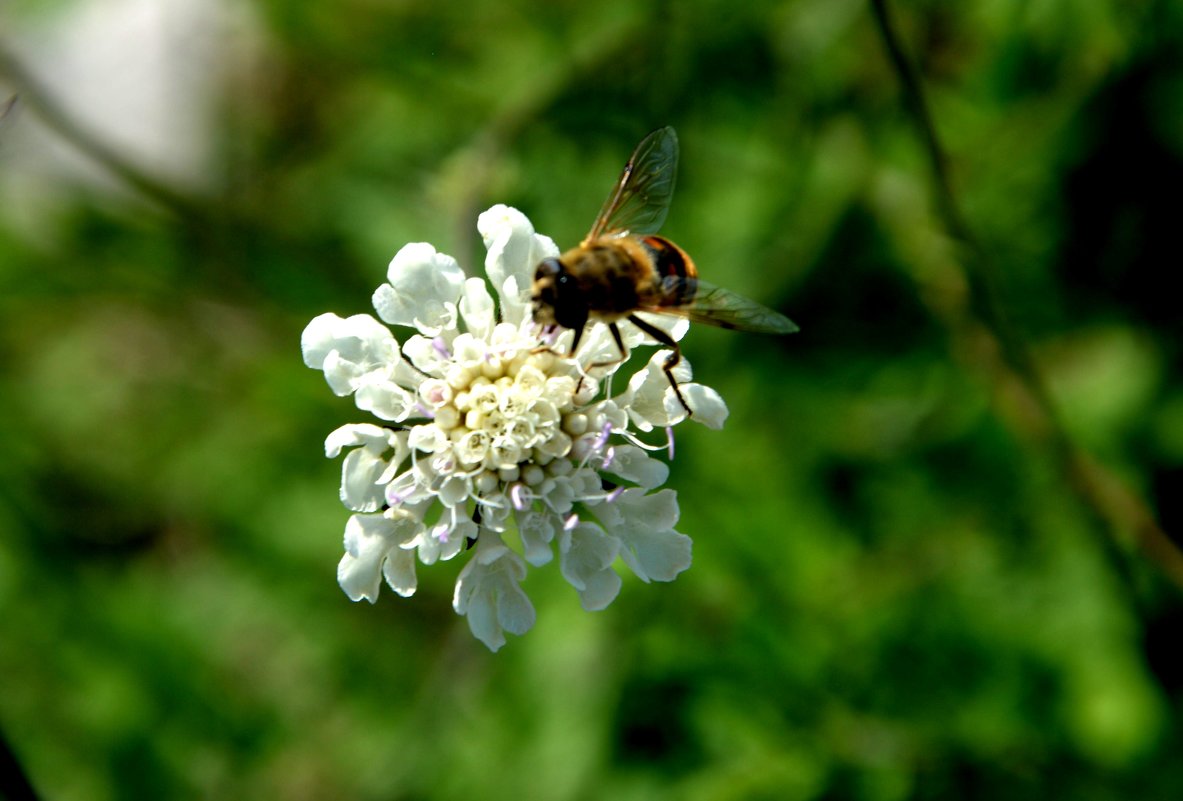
{"points": [[61, 122], [1110, 501]]}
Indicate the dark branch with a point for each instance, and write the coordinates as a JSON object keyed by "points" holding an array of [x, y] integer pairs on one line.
{"points": [[1110, 501]]}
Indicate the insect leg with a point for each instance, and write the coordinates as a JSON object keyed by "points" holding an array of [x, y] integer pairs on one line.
{"points": [[620, 346], [575, 341], [619, 342], [671, 362], [574, 345]]}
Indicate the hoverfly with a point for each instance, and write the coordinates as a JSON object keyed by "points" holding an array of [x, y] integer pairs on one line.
{"points": [[621, 267]]}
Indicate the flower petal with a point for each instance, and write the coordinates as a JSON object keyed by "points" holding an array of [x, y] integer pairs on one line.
{"points": [[649, 391], [424, 286], [489, 594], [586, 554], [514, 251], [633, 464], [537, 530], [476, 309], [644, 525], [349, 350], [387, 400], [360, 471], [373, 438], [399, 572], [370, 540], [676, 327], [708, 406]]}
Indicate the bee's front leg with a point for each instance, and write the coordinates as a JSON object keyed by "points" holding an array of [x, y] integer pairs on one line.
{"points": [[551, 349], [619, 345]]}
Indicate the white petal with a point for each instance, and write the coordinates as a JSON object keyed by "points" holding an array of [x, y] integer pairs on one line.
{"points": [[644, 526], [650, 400], [537, 530], [586, 554], [423, 290], [352, 336], [489, 594], [476, 308], [342, 375], [374, 438], [349, 350], [386, 400], [445, 539], [560, 496], [514, 251], [633, 464], [428, 354], [368, 540], [398, 440], [317, 339], [399, 572], [707, 405], [373, 546], [428, 438], [509, 240], [515, 302], [360, 471], [676, 327]]}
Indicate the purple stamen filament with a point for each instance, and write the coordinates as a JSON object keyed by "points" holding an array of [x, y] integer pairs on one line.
{"points": [[517, 495]]}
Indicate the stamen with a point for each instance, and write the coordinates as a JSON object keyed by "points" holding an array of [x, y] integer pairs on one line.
{"points": [[441, 347], [602, 439], [517, 496], [571, 522], [609, 455], [441, 532], [640, 443], [614, 494], [669, 436], [424, 411]]}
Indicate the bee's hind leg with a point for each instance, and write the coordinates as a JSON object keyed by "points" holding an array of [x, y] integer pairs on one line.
{"points": [[671, 361]]}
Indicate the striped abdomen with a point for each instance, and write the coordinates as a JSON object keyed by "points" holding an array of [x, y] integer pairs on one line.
{"points": [[675, 270]]}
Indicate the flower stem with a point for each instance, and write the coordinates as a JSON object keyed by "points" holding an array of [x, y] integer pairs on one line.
{"points": [[1115, 507], [66, 126]]}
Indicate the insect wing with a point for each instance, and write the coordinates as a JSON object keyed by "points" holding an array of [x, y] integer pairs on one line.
{"points": [[641, 199], [720, 307]]}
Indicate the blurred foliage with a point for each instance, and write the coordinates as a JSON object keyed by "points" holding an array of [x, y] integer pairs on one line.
{"points": [[896, 592]]}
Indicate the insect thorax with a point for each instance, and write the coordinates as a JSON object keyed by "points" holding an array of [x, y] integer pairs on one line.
{"points": [[615, 277]]}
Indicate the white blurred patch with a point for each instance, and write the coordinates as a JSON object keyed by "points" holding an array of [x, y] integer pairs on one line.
{"points": [[143, 77]]}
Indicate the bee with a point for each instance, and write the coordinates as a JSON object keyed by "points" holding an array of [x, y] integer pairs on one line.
{"points": [[622, 267]]}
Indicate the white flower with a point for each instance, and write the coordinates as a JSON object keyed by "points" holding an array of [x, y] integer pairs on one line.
{"points": [[496, 436]]}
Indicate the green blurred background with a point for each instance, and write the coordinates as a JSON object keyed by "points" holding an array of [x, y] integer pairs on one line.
{"points": [[902, 587]]}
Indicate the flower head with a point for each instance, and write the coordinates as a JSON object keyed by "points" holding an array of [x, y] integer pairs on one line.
{"points": [[493, 438]]}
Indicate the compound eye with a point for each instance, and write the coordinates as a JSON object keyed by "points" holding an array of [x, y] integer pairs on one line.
{"points": [[548, 268]]}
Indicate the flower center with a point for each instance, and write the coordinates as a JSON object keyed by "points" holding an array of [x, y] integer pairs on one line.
{"points": [[497, 414]]}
